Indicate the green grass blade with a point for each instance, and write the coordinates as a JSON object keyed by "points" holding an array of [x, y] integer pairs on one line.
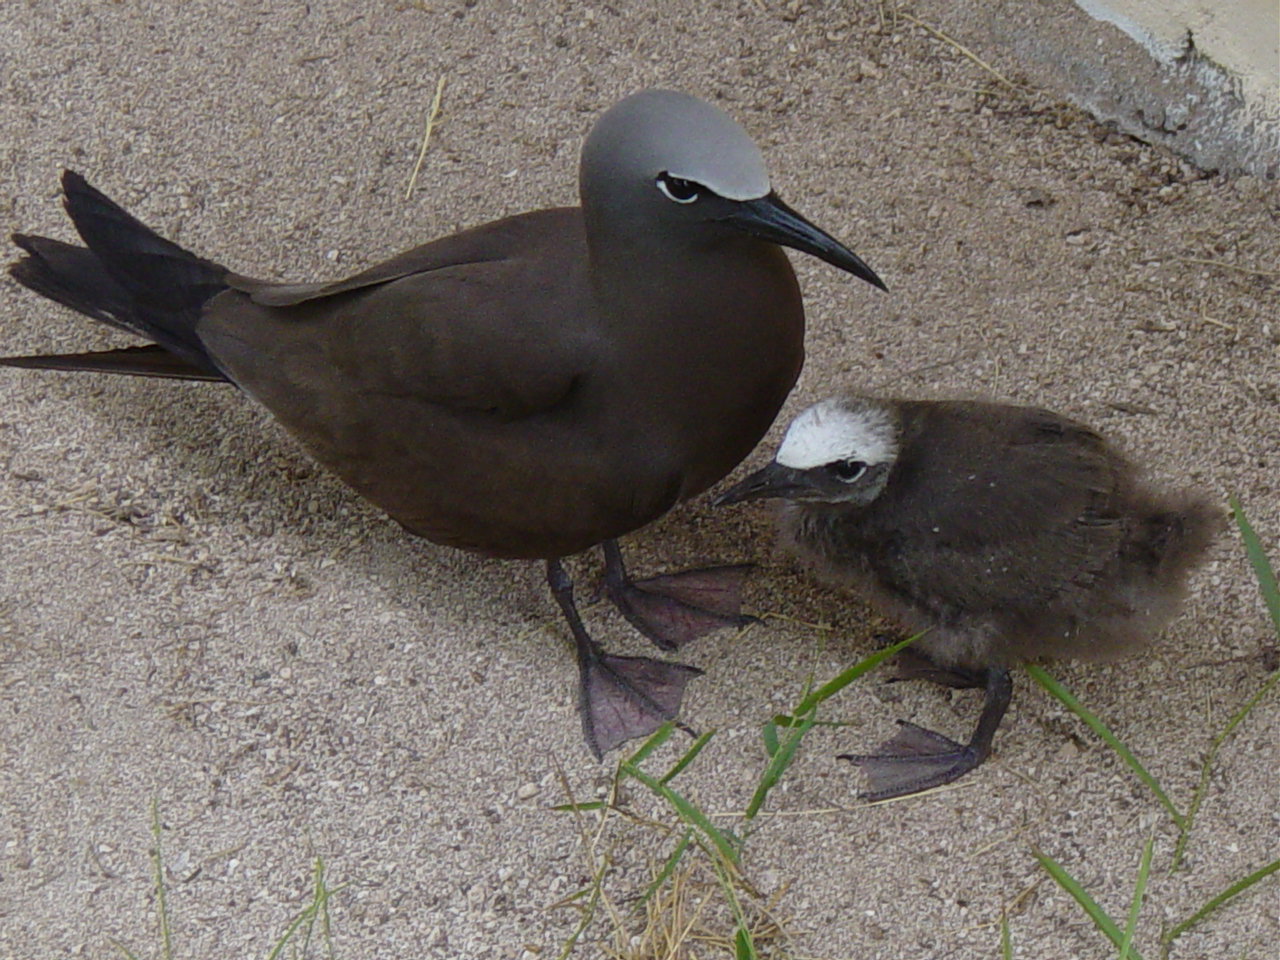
{"points": [[1006, 941], [1056, 689], [656, 739], [1139, 891], [769, 734], [688, 757], [688, 812], [290, 930], [1266, 578], [1233, 891], [669, 867], [317, 909], [843, 679], [1081, 896], [801, 721], [778, 763], [1206, 768], [129, 954], [319, 895], [1244, 711], [157, 865], [579, 807], [1258, 560], [588, 912], [326, 926], [744, 947], [1271, 596]]}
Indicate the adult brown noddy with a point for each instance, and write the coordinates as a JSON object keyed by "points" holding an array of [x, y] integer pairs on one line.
{"points": [[527, 388], [1007, 533]]}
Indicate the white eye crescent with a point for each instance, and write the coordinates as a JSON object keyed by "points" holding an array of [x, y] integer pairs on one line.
{"points": [[674, 188], [847, 471]]}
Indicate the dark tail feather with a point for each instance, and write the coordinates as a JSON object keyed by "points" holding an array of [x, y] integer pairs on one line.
{"points": [[161, 277], [73, 277], [152, 360], [129, 277]]}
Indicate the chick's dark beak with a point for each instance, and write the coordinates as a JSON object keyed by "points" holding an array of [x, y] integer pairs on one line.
{"points": [[770, 219], [767, 483]]}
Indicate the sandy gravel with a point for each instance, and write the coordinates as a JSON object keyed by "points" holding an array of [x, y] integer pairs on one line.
{"points": [[190, 612]]}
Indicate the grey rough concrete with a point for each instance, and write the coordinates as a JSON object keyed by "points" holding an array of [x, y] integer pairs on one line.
{"points": [[1188, 103], [189, 611]]}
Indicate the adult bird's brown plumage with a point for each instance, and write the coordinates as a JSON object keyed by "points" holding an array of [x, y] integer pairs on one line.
{"points": [[1005, 533], [528, 388]]}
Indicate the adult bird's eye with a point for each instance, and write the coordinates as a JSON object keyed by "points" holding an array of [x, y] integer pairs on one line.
{"points": [[847, 470], [681, 191]]}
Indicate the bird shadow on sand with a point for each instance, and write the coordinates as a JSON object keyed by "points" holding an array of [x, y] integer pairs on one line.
{"points": [[209, 439]]}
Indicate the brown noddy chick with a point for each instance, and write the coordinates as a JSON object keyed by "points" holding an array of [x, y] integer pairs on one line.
{"points": [[1007, 533], [528, 388]]}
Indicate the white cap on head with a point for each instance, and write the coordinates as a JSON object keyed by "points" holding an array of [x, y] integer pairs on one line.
{"points": [[840, 428]]}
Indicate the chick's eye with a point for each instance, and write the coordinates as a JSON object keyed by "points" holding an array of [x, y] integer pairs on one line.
{"points": [[847, 470], [673, 188]]}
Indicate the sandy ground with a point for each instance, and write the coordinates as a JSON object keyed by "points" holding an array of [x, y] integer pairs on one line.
{"points": [[190, 612]]}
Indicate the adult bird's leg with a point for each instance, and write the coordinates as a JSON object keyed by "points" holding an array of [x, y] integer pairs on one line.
{"points": [[675, 608], [619, 697], [917, 759]]}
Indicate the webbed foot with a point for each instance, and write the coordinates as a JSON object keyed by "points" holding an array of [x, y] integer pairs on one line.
{"points": [[619, 698], [676, 608], [626, 697], [914, 759]]}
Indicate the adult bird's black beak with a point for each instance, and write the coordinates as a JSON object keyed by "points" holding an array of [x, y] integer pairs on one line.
{"points": [[775, 480], [770, 219]]}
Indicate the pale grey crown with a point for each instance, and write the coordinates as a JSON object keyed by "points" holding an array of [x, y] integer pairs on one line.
{"points": [[663, 131]]}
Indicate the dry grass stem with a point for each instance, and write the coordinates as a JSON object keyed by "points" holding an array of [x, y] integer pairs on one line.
{"points": [[951, 41], [688, 919], [769, 814], [426, 135], [1225, 265], [945, 788], [795, 621]]}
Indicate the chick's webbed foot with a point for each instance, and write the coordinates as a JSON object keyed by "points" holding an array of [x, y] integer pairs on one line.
{"points": [[916, 759], [676, 608]]}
